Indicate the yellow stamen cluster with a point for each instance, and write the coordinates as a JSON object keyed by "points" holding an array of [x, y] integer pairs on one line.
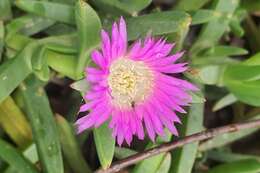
{"points": [[130, 82]]}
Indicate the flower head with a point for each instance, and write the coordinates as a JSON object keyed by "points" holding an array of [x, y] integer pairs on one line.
{"points": [[132, 87]]}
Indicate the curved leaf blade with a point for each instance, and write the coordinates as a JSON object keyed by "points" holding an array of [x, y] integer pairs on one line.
{"points": [[70, 147], [45, 132], [105, 144], [89, 26], [243, 166], [14, 123], [14, 158], [48, 9], [159, 23]]}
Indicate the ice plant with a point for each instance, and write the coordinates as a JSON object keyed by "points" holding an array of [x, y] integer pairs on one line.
{"points": [[132, 87]]}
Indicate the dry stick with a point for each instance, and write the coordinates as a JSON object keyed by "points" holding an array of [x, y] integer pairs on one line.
{"points": [[117, 166]]}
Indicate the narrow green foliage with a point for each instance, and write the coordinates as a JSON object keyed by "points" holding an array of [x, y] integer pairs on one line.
{"points": [[5, 8], [189, 5], [48, 9], [27, 25], [122, 7], [224, 101], [158, 23], [1, 39], [105, 144], [243, 166], [14, 71], [184, 158], [150, 164], [9, 154], [43, 125], [70, 147], [89, 26], [224, 9], [121, 152], [30, 153], [225, 156], [245, 86], [14, 123], [203, 16]]}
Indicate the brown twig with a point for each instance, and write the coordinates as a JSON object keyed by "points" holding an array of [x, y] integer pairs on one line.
{"points": [[119, 165]]}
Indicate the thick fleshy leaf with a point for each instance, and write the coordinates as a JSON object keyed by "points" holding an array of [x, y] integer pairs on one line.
{"points": [[211, 74], [14, 123], [14, 71], [189, 5], [244, 82], [13, 157], [48, 9], [5, 8], [45, 132], [224, 156], [89, 27], [81, 86], [118, 7], [27, 25], [251, 5], [222, 50], [184, 158], [207, 38], [30, 153], [165, 164], [224, 101], [70, 147], [121, 152], [149, 165], [105, 144], [2, 35], [158, 23], [155, 163], [203, 16], [243, 166]]}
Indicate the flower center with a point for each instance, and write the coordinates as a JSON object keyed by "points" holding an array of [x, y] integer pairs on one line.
{"points": [[130, 82]]}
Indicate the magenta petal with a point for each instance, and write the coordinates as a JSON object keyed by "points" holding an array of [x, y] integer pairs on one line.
{"points": [[146, 48], [94, 95], [132, 123], [91, 104], [115, 39], [170, 126], [120, 135], [155, 120], [86, 106], [128, 137], [149, 127], [123, 34], [115, 118], [165, 61], [103, 117], [174, 68], [169, 102], [135, 49], [95, 78], [139, 128], [164, 110], [98, 58], [106, 46], [88, 122], [91, 70], [177, 92], [140, 131]]}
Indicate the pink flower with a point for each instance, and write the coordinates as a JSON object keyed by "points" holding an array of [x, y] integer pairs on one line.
{"points": [[131, 88]]}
